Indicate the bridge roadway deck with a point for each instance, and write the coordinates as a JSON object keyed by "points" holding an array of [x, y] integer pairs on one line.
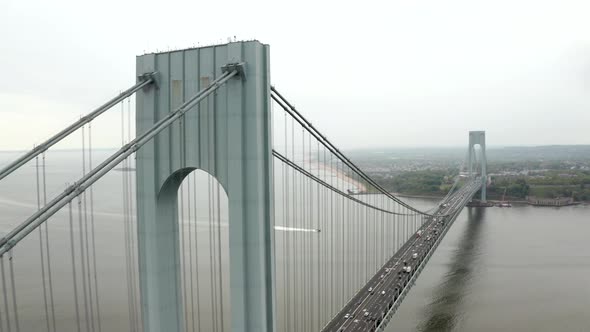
{"points": [[367, 309]]}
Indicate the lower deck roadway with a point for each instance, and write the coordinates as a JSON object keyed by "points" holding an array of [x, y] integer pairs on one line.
{"points": [[390, 281]]}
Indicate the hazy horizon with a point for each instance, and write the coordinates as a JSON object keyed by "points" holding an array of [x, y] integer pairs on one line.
{"points": [[400, 73], [424, 147]]}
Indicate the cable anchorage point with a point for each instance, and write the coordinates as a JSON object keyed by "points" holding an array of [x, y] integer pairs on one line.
{"points": [[240, 67]]}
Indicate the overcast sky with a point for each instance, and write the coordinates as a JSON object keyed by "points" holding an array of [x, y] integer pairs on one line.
{"points": [[393, 73]]}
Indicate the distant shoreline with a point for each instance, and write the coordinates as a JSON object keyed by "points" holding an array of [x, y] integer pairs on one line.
{"points": [[518, 202], [417, 196]]}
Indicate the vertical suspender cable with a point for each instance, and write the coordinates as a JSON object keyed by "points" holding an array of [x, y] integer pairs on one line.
{"points": [[11, 268], [348, 232], [82, 223], [326, 236], [366, 229], [352, 242], [132, 246], [83, 263], [345, 235], [391, 234], [383, 233], [211, 124], [387, 231], [73, 252], [295, 242], [41, 255], [5, 293], [86, 240], [319, 239], [183, 247], [357, 240], [311, 254], [296, 269], [342, 226], [212, 269], [301, 248], [285, 232], [218, 192], [50, 280], [196, 258], [292, 239], [126, 225], [134, 259], [309, 237], [288, 217], [92, 232], [219, 256], [190, 254], [375, 231], [181, 226], [362, 230], [332, 236], [397, 208], [128, 221], [304, 238], [362, 237]]}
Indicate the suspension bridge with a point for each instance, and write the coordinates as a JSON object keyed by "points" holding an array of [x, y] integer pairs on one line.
{"points": [[223, 209]]}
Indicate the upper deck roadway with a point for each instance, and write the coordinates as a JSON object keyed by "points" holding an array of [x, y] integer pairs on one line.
{"points": [[372, 307]]}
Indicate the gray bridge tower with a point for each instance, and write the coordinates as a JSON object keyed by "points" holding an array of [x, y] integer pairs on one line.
{"points": [[227, 135], [478, 138]]}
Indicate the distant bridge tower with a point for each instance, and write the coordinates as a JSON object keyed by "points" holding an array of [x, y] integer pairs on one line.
{"points": [[227, 135], [478, 138]]}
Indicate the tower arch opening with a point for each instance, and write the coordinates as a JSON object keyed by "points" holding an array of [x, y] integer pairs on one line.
{"points": [[203, 229]]}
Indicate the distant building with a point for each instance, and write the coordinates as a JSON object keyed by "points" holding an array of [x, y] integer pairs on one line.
{"points": [[559, 201]]}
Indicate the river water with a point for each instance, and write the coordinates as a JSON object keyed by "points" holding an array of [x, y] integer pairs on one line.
{"points": [[498, 269], [505, 269]]}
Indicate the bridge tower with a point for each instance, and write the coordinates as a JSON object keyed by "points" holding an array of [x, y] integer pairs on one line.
{"points": [[227, 135], [478, 138]]}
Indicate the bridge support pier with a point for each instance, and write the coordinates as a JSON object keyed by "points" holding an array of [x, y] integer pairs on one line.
{"points": [[229, 136], [478, 138]]}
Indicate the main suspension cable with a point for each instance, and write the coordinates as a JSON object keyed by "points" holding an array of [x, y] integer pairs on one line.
{"points": [[289, 108], [306, 173], [144, 81], [61, 200]]}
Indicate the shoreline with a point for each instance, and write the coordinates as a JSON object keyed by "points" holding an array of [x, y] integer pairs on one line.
{"points": [[494, 201]]}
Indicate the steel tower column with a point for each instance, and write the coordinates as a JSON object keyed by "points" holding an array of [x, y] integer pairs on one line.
{"points": [[479, 138], [229, 136]]}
